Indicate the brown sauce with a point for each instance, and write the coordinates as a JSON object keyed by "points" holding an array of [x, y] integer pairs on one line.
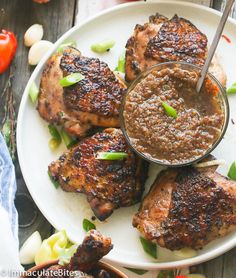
{"points": [[199, 122]]}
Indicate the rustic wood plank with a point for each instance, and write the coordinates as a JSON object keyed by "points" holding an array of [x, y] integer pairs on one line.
{"points": [[17, 15]]}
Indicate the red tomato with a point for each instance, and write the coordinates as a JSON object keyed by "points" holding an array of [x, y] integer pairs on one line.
{"points": [[181, 276], [8, 45]]}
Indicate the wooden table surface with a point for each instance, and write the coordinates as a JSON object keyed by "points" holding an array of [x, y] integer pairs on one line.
{"points": [[57, 17]]}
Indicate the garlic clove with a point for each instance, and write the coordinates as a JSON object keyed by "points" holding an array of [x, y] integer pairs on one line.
{"points": [[30, 248], [37, 51], [33, 34]]}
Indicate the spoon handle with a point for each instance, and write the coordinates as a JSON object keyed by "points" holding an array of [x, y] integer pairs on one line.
{"points": [[214, 44]]}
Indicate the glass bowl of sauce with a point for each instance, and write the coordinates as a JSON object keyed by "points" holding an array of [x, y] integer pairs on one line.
{"points": [[167, 122]]}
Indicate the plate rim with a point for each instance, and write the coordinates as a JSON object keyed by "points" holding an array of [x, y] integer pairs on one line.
{"points": [[145, 265]]}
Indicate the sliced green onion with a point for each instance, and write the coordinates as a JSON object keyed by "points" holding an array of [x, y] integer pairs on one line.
{"points": [[111, 155], [66, 254], [55, 141], [232, 171], [232, 89], [54, 182], [149, 247], [67, 139], [88, 225], [71, 79], [137, 271], [170, 111], [33, 92], [103, 46], [65, 44], [166, 274], [121, 63]]}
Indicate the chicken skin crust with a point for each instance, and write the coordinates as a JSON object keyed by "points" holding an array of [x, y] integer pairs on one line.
{"points": [[187, 207], [108, 184]]}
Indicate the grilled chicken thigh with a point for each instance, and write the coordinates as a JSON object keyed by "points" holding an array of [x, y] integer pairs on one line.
{"points": [[187, 207], [94, 101], [163, 40], [108, 184]]}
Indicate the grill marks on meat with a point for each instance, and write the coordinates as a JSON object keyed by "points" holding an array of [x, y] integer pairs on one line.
{"points": [[162, 40], [107, 184], [178, 40], [187, 208], [94, 101], [93, 248]]}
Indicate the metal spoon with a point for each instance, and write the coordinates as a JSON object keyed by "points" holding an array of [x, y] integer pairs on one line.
{"points": [[214, 44]]}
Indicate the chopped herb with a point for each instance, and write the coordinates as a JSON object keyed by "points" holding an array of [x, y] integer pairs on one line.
{"points": [[111, 155], [65, 44], [232, 89], [103, 46], [71, 79], [88, 225], [149, 247], [170, 111], [54, 182], [232, 171], [67, 139], [33, 92], [137, 271]]}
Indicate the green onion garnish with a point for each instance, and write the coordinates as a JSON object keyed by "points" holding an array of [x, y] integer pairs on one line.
{"points": [[121, 63], [232, 171], [137, 271], [33, 92], [67, 139], [232, 89], [166, 274], [170, 111], [71, 79], [54, 182], [103, 46], [65, 44], [88, 225], [111, 155], [149, 247], [55, 141]]}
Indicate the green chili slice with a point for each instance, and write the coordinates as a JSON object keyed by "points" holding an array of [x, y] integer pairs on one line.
{"points": [[68, 140], [54, 182], [33, 92], [149, 247], [111, 155], [232, 89], [170, 111], [88, 225], [71, 79], [102, 46], [137, 271], [65, 44], [232, 171]]}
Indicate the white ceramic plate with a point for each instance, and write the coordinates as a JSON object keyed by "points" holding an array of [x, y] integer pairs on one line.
{"points": [[67, 210]]}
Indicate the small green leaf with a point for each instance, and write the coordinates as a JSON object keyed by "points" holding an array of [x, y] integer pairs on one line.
{"points": [[33, 92], [111, 155], [88, 225], [65, 44], [170, 111], [71, 79], [149, 247], [66, 255], [54, 182], [232, 89], [137, 271], [232, 171], [103, 46]]}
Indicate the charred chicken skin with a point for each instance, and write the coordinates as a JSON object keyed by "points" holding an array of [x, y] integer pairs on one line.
{"points": [[93, 101], [187, 207], [162, 40], [108, 184]]}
